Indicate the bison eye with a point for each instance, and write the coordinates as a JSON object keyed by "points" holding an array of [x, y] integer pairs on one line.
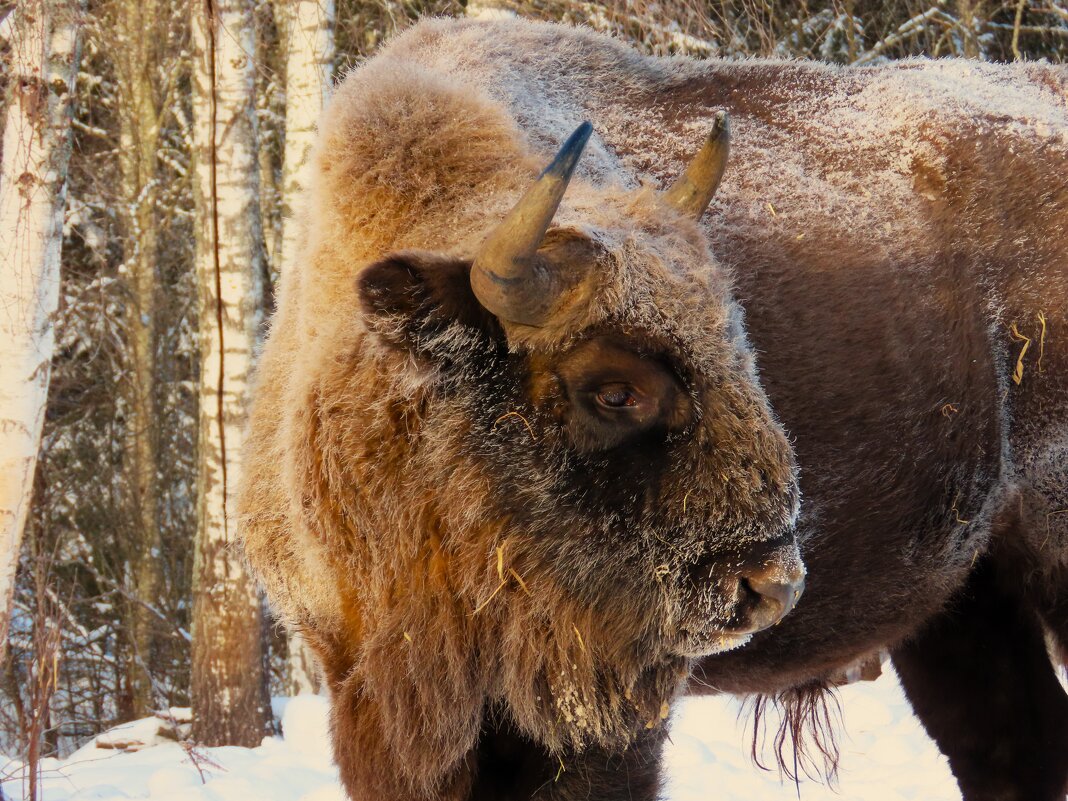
{"points": [[606, 392], [616, 396]]}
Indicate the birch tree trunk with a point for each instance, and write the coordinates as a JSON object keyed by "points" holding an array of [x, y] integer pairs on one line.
{"points": [[228, 686], [308, 28], [136, 26], [33, 193]]}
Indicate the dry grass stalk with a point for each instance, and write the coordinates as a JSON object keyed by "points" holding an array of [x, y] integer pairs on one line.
{"points": [[1041, 341], [1017, 373], [949, 409], [519, 580], [581, 642], [526, 422]]}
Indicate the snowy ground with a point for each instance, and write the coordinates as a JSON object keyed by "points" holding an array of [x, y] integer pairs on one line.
{"points": [[885, 757]]}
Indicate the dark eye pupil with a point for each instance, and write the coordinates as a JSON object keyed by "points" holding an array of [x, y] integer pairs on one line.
{"points": [[616, 397]]}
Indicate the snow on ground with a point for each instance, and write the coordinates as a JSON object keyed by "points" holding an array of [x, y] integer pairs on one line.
{"points": [[885, 757], [885, 753]]}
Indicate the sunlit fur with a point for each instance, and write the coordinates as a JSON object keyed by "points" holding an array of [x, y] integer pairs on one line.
{"points": [[886, 229]]}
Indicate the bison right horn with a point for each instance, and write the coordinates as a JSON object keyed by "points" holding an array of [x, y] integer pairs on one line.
{"points": [[695, 188], [507, 276]]}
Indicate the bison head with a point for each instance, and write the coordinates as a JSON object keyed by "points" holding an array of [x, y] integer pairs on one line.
{"points": [[575, 483]]}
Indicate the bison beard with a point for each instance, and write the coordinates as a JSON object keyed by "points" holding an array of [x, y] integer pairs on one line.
{"points": [[511, 468]]}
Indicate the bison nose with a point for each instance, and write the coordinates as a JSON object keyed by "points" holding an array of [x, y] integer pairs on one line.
{"points": [[773, 592]]}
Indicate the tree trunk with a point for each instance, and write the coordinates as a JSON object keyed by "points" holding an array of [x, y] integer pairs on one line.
{"points": [[308, 27], [968, 14], [228, 686], [308, 30], [33, 194], [139, 137]]}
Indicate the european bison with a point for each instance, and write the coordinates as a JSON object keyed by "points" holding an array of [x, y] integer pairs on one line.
{"points": [[512, 470]]}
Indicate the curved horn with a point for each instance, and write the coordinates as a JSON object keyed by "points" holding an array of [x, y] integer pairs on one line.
{"points": [[507, 277], [693, 190]]}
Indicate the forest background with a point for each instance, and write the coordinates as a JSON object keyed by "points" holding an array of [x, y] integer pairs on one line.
{"points": [[153, 155]]}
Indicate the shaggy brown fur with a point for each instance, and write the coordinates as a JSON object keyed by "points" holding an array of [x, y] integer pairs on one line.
{"points": [[482, 591]]}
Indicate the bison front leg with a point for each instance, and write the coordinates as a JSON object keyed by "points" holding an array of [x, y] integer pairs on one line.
{"points": [[503, 765], [633, 775], [378, 763], [511, 767], [981, 681]]}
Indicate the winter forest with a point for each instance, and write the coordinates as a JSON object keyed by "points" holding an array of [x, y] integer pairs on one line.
{"points": [[153, 154]]}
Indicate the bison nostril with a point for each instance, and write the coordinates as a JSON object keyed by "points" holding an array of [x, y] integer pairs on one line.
{"points": [[785, 592], [774, 596]]}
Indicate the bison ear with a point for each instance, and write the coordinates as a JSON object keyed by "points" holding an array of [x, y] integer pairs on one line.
{"points": [[415, 301]]}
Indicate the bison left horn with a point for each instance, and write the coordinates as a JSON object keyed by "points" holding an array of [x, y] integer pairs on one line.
{"points": [[508, 277], [694, 189]]}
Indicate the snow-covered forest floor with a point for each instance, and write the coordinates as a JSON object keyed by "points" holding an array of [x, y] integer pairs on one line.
{"points": [[886, 756]]}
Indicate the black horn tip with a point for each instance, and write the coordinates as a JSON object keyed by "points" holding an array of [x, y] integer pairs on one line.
{"points": [[721, 126], [567, 157]]}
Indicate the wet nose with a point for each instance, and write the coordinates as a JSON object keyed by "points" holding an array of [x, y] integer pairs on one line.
{"points": [[774, 592]]}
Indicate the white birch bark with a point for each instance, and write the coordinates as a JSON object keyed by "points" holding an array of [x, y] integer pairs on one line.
{"points": [[33, 192], [309, 37], [308, 28], [228, 682]]}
